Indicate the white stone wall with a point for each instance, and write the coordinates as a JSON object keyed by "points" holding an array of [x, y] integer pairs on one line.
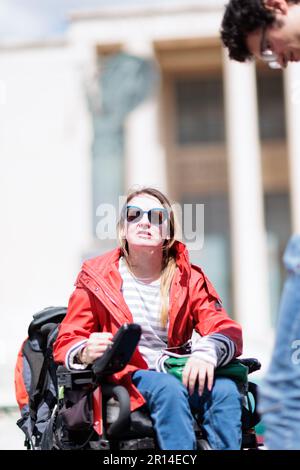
{"points": [[45, 189], [117, 25]]}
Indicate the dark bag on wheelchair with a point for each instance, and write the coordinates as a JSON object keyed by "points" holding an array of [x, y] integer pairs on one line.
{"points": [[36, 385], [77, 411], [35, 375]]}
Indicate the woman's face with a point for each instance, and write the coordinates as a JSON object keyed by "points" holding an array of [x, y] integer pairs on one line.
{"points": [[139, 230]]}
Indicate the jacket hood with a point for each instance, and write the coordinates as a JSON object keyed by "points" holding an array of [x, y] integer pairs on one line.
{"points": [[106, 265]]}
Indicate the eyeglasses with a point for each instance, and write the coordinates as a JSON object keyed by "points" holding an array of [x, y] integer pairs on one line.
{"points": [[266, 53], [156, 216]]}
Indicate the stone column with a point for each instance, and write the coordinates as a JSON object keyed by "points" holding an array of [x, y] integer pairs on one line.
{"points": [[248, 235], [145, 160], [292, 100]]}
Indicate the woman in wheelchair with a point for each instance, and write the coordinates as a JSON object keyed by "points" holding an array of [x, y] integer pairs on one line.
{"points": [[149, 280]]}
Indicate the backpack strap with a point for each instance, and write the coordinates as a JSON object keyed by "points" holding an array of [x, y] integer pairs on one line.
{"points": [[37, 396], [35, 360], [48, 367], [41, 365]]}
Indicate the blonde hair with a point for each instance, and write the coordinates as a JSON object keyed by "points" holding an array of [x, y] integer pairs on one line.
{"points": [[169, 262]]}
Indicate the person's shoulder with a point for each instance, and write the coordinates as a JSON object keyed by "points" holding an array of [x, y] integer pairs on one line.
{"points": [[102, 261], [197, 273], [199, 279]]}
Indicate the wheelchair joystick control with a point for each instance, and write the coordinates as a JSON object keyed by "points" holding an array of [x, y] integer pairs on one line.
{"points": [[119, 354]]}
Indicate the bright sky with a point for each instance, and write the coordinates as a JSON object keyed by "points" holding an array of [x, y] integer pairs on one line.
{"points": [[33, 19]]}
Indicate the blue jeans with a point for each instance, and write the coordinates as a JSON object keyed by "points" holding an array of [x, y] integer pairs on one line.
{"points": [[280, 391], [170, 405]]}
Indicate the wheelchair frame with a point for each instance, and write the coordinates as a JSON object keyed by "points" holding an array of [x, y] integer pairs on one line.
{"points": [[132, 430]]}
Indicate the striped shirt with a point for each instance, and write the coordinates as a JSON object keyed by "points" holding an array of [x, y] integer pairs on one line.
{"points": [[144, 303], [215, 348]]}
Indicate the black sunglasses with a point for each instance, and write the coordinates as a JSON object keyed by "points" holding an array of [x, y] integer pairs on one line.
{"points": [[156, 216]]}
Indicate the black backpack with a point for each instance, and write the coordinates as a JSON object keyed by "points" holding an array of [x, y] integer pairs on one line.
{"points": [[35, 375]]}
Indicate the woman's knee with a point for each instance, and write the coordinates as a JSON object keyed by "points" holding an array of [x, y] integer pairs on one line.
{"points": [[170, 387], [170, 383], [225, 388], [158, 383]]}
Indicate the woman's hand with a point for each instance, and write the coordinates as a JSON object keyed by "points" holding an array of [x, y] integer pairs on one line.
{"points": [[95, 346], [198, 369]]}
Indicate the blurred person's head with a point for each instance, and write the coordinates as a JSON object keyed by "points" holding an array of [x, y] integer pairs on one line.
{"points": [[268, 30]]}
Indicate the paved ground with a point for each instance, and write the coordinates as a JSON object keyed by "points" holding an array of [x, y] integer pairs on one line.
{"points": [[11, 437]]}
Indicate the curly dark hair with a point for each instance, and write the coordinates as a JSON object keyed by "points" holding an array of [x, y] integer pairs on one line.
{"points": [[241, 18]]}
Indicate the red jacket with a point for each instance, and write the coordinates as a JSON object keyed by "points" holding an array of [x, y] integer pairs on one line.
{"points": [[97, 304]]}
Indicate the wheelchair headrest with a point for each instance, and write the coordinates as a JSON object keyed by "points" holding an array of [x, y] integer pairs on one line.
{"points": [[46, 316]]}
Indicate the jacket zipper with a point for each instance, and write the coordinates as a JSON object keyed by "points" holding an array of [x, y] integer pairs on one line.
{"points": [[127, 315]]}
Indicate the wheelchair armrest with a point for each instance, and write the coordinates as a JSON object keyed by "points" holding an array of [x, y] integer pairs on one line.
{"points": [[252, 363], [121, 395]]}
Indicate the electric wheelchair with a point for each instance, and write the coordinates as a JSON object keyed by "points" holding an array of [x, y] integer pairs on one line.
{"points": [[85, 419]]}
